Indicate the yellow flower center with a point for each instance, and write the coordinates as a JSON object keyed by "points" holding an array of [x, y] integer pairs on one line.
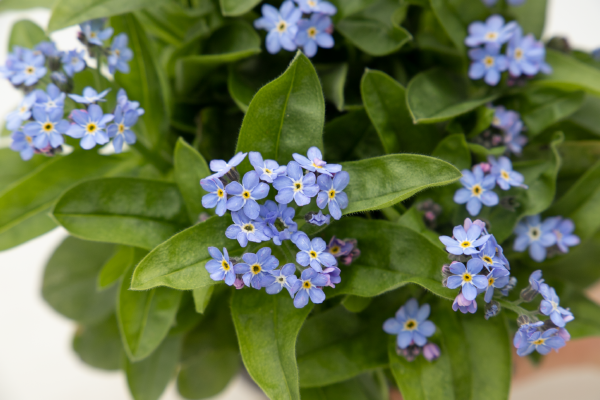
{"points": [[225, 265], [518, 53], [23, 109], [29, 139], [297, 186], [504, 174], [491, 36], [496, 121], [117, 52], [539, 341], [317, 166], [121, 128], [220, 193], [267, 171], [331, 193], [467, 277], [91, 127], [256, 268], [29, 70], [246, 194], [312, 3], [313, 254], [534, 233], [312, 32], [249, 228], [476, 190], [488, 260], [282, 26], [334, 250], [48, 127], [488, 61], [93, 35], [411, 325], [465, 244], [491, 281], [74, 60], [306, 285]]}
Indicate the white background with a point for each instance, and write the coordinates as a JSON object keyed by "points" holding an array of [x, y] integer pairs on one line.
{"points": [[36, 359]]}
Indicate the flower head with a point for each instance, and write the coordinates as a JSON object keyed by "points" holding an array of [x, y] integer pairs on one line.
{"points": [[496, 279], [312, 252], [119, 54], [51, 98], [284, 278], [257, 268], [532, 233], [121, 131], [333, 276], [48, 49], [244, 229], [504, 119], [279, 220], [464, 305], [309, 285], [464, 242], [90, 96], [524, 332], [550, 306], [220, 268], [295, 186], [220, 167], [467, 278], [526, 56], [89, 126], [313, 33], [126, 105], [490, 256], [316, 6], [73, 62], [268, 170], [410, 324], [314, 162], [246, 194], [477, 190], [505, 176], [23, 113], [23, 144], [564, 235], [487, 63], [94, 31], [332, 193], [47, 128], [318, 218], [542, 342], [217, 195], [281, 26], [29, 70], [514, 140], [493, 31]]}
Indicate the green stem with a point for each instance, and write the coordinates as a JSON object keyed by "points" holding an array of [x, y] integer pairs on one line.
{"points": [[98, 73]]}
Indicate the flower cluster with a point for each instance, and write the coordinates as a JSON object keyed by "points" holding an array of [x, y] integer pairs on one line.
{"points": [[289, 30], [412, 327], [555, 233], [480, 182], [298, 182], [38, 125], [524, 54]]}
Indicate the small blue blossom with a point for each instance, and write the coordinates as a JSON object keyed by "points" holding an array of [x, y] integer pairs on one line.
{"points": [[490, 256], [257, 268], [281, 26], [309, 285], [47, 128], [126, 105], [410, 324], [245, 229], [550, 306], [499, 252], [477, 190], [496, 279], [268, 170], [319, 219], [493, 31], [487, 63], [90, 96], [504, 119], [464, 242], [217, 196], [525, 331], [532, 233], [467, 278], [30, 70], [313, 252], [316, 6], [526, 56], [542, 342], [564, 235], [505, 176], [333, 276], [73, 62], [220, 167], [12, 59], [16, 118], [314, 33], [513, 139], [121, 131], [23, 144], [284, 278], [94, 31], [314, 162], [535, 280], [279, 220], [332, 194], [295, 186], [89, 126], [51, 98], [119, 54], [246, 194], [48, 49], [220, 267]]}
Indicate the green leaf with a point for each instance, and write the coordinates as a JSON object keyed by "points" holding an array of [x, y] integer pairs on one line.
{"points": [[531, 16], [380, 182], [351, 137], [147, 379], [333, 77], [356, 303], [26, 203], [391, 256], [99, 345], [413, 219], [349, 7], [481, 153], [385, 102], [145, 317], [454, 149], [190, 168], [373, 29], [71, 12], [8, 5], [587, 321], [286, 116], [179, 262], [129, 211], [588, 116], [437, 95], [267, 327], [69, 283], [562, 106], [363, 387], [123, 258], [455, 15], [234, 8], [13, 168], [202, 296], [570, 74], [25, 33]]}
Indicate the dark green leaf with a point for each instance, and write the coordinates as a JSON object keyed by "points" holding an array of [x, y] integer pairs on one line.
{"points": [[233, 8], [356, 303], [202, 296], [481, 153], [116, 266], [190, 168], [351, 137], [99, 345], [267, 327], [333, 78], [6, 5], [25, 33], [413, 219], [129, 211], [69, 284], [562, 106], [187, 318], [588, 116], [570, 74], [586, 311], [531, 16], [363, 387], [349, 7], [455, 15], [454, 149], [179, 262], [13, 168]]}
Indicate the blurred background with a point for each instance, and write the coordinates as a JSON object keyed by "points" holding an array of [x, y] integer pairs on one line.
{"points": [[36, 358]]}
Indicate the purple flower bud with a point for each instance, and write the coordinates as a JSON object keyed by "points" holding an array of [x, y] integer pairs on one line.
{"points": [[333, 276], [491, 309], [431, 352], [464, 305], [239, 282], [410, 353], [485, 167]]}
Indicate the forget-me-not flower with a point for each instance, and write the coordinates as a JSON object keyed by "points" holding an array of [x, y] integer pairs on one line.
{"points": [[464, 242], [487, 63], [514, 140], [318, 218], [47, 128], [316, 6], [244, 229], [333, 276], [489, 255], [502, 169], [463, 305], [477, 190], [126, 105], [284, 278], [23, 144], [217, 196], [281, 26], [89, 126], [542, 342], [410, 324], [73, 62], [220, 167], [246, 194], [309, 285], [526, 56], [498, 278], [220, 267], [504, 119], [94, 31], [23, 113], [525, 331], [119, 54], [313, 33], [535, 280], [90, 96], [332, 193], [314, 162], [256, 268], [48, 49], [313, 252], [564, 235], [493, 31], [467, 278], [296, 186], [121, 131], [268, 170], [532, 233], [550, 306], [279, 220], [51, 98], [30, 70]]}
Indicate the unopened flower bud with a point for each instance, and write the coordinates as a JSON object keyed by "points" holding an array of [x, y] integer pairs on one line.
{"points": [[523, 320], [492, 309], [410, 353], [512, 282], [239, 283], [431, 352]]}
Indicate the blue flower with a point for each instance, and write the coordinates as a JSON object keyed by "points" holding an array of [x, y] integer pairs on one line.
{"points": [[22, 144], [313, 33], [319, 219], [51, 98], [94, 31], [295, 186], [316, 6], [505, 176], [487, 63], [410, 324], [498, 278], [126, 105], [314, 162], [119, 54], [29, 70], [59, 78], [313, 252], [281, 26], [525, 331], [89, 126], [332, 193], [121, 129], [490, 256], [504, 119], [333, 276], [90, 96], [536, 235], [221, 167], [464, 242], [542, 342], [513, 139], [499, 252], [279, 220], [48, 49], [220, 267], [23, 113], [467, 278], [564, 235], [268, 170], [492, 32], [73, 62], [12, 59], [526, 55], [245, 195], [535, 280], [550, 306], [284, 278], [477, 190], [256, 268], [245, 229], [47, 128], [309, 285], [217, 196]]}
